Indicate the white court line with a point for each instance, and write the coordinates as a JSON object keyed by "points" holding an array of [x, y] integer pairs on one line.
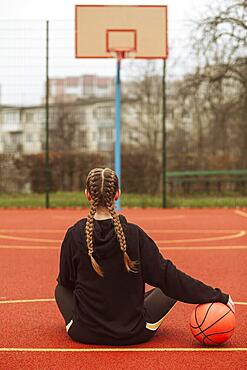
{"points": [[28, 247], [239, 234], [39, 230], [191, 231], [10, 237], [130, 219], [206, 248], [28, 300], [155, 218], [130, 349], [53, 300], [54, 231], [184, 248], [241, 213], [226, 237]]}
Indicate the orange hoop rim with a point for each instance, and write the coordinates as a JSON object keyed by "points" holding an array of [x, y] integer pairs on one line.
{"points": [[121, 51]]}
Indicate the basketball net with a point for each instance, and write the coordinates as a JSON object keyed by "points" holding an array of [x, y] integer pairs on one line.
{"points": [[122, 53]]}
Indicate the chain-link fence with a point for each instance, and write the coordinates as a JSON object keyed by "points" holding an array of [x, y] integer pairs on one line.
{"points": [[206, 129]]}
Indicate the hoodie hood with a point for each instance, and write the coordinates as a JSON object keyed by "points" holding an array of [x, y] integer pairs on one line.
{"points": [[104, 237]]}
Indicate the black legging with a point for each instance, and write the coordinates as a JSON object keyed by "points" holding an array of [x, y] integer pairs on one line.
{"points": [[156, 303]]}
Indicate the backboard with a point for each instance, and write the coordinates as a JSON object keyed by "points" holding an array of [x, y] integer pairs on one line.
{"points": [[138, 31]]}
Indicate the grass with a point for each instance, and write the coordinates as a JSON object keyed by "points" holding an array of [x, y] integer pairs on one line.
{"points": [[77, 199]]}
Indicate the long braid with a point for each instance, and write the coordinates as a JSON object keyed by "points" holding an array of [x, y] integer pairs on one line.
{"points": [[110, 191], [131, 266], [92, 188], [102, 185]]}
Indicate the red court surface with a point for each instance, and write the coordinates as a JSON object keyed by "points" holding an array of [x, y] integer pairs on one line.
{"points": [[210, 245]]}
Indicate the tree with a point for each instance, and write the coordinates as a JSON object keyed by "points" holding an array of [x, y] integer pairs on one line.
{"points": [[143, 143], [66, 143], [221, 35], [220, 40], [146, 88], [64, 128]]}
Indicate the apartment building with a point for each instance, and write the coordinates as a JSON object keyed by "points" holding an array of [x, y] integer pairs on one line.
{"points": [[69, 89], [10, 129], [83, 125]]}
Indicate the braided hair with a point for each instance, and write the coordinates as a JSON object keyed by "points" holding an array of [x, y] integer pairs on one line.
{"points": [[102, 185]]}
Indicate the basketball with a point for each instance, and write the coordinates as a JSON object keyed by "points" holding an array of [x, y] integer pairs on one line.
{"points": [[212, 323]]}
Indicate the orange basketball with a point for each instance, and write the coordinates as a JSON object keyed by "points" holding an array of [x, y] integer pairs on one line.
{"points": [[212, 323]]}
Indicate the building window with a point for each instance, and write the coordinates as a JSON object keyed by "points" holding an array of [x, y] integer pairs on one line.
{"points": [[83, 139], [94, 135], [108, 134], [15, 138], [11, 117], [105, 134], [29, 117], [105, 112], [29, 138]]}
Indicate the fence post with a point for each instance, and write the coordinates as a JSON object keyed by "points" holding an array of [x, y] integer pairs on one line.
{"points": [[164, 149], [117, 156], [47, 169]]}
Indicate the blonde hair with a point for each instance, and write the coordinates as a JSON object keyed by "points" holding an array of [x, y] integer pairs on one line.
{"points": [[102, 185]]}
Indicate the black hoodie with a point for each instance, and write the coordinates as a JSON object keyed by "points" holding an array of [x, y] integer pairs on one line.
{"points": [[110, 309]]}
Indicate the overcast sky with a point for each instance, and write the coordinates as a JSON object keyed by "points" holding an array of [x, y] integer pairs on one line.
{"points": [[22, 43], [64, 9]]}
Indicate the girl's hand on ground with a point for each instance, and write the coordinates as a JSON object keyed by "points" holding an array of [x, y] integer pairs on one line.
{"points": [[231, 304]]}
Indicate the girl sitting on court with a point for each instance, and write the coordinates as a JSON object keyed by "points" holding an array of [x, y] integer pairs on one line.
{"points": [[105, 263]]}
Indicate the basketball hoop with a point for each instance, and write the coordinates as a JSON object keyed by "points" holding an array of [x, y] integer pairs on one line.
{"points": [[119, 31], [107, 31], [121, 42], [122, 53]]}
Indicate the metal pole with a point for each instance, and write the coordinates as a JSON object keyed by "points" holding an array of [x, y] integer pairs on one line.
{"points": [[47, 170], [164, 148], [117, 154]]}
